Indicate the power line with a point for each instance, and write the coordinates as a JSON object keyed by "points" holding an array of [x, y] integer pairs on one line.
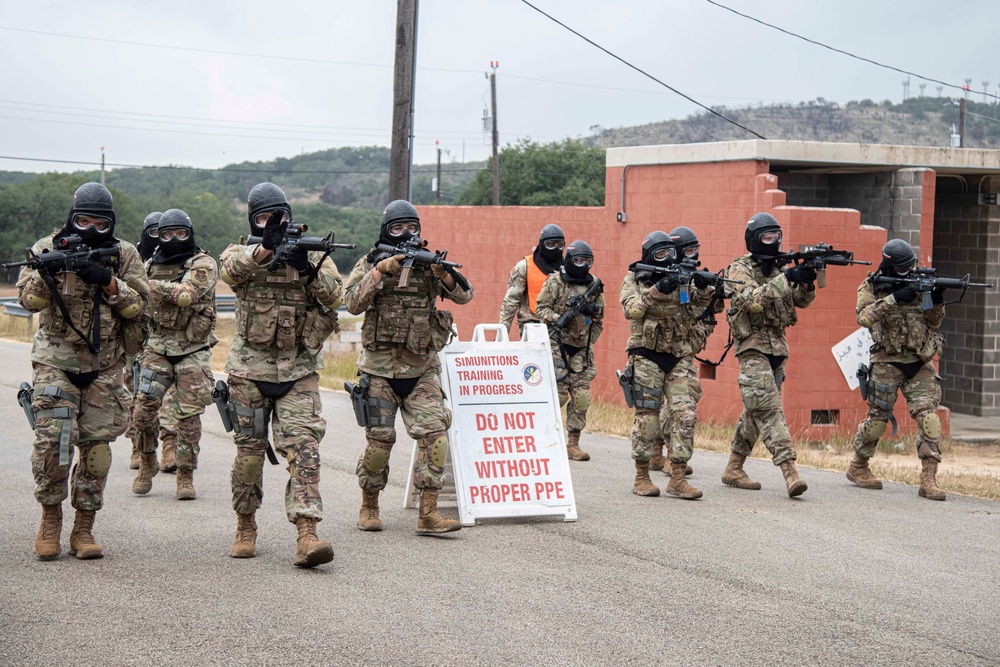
{"points": [[644, 73], [848, 53]]}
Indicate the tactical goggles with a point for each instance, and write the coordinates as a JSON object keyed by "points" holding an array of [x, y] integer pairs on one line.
{"points": [[260, 220], [691, 251], [553, 244], [663, 254], [174, 234], [82, 222], [768, 238], [153, 232], [583, 260], [397, 228], [904, 270]]}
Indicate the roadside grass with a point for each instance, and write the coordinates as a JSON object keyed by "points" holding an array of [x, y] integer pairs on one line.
{"points": [[21, 329]]}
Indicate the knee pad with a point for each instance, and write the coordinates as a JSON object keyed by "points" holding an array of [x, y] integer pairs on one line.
{"points": [[581, 400], [375, 458], [649, 426], [871, 431], [930, 425], [98, 460], [437, 451], [249, 468]]}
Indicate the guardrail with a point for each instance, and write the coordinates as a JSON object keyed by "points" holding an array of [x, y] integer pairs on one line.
{"points": [[224, 303], [13, 308]]}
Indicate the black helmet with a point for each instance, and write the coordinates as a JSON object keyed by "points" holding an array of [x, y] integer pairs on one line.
{"points": [[686, 241], [263, 198], [554, 235], [898, 257], [92, 200], [658, 244], [396, 211], [177, 221], [758, 225], [579, 259], [148, 240]]}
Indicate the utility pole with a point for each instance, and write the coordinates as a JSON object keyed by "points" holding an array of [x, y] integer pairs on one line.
{"points": [[961, 123], [438, 171], [496, 135], [102, 165], [401, 152]]}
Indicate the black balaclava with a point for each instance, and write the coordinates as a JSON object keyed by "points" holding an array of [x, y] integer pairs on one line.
{"points": [[263, 198], [94, 200], [577, 274], [549, 261], [765, 253], [148, 243], [175, 251]]}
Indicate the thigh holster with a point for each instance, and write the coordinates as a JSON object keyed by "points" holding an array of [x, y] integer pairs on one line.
{"points": [[258, 427], [154, 384], [64, 415]]}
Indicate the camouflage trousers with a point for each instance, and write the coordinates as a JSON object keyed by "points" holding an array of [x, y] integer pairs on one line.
{"points": [[102, 416], [426, 419], [167, 421], [573, 381], [191, 380], [297, 426], [923, 394], [762, 416], [668, 410]]}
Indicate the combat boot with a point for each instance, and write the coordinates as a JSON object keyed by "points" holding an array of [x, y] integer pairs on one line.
{"points": [[430, 521], [185, 484], [859, 473], [168, 462], [368, 519], [656, 461], [796, 485], [47, 542], [928, 481], [133, 460], [735, 476], [148, 469], [309, 550], [573, 447], [81, 541], [643, 485], [245, 544], [678, 485]]}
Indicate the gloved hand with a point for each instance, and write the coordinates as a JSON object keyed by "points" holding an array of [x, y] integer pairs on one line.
{"points": [[390, 266], [590, 309], [701, 281], [666, 284], [55, 261], [439, 271], [93, 273], [800, 273], [904, 294], [937, 295], [274, 230], [298, 258]]}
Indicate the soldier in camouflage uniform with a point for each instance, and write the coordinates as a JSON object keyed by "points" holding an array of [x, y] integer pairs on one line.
{"points": [[760, 311], [528, 276], [146, 247], [906, 342], [573, 347], [78, 396], [402, 333], [178, 354], [283, 319], [661, 364]]}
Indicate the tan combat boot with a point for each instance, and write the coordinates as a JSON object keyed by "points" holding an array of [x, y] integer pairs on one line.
{"points": [[678, 485], [309, 550], [859, 473], [643, 485], [148, 469], [167, 459], [796, 485], [185, 484], [735, 476], [47, 542], [133, 461], [928, 481], [81, 541], [573, 447], [368, 519], [245, 544], [656, 461], [430, 521]]}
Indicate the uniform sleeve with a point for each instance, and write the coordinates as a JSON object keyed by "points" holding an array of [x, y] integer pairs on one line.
{"points": [[197, 281], [32, 293], [597, 321], [751, 296], [459, 295], [133, 290], [361, 287], [935, 316], [864, 311], [546, 301], [517, 286], [327, 286], [238, 263], [803, 295]]}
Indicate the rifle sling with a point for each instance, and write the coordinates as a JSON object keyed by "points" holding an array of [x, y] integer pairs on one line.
{"points": [[53, 288]]}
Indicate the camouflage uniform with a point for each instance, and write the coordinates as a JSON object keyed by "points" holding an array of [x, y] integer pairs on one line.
{"points": [[282, 322], [515, 301], [660, 324], [573, 351], [402, 333], [177, 353], [760, 311], [92, 415], [905, 336]]}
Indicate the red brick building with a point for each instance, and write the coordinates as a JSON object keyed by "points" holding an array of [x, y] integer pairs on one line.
{"points": [[854, 196]]}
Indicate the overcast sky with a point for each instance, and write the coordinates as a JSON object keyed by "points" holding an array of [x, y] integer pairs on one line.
{"points": [[63, 97]]}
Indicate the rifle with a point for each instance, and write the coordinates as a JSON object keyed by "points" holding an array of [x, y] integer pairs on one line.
{"points": [[575, 305], [293, 237], [817, 257], [684, 272], [923, 281], [414, 249], [69, 255]]}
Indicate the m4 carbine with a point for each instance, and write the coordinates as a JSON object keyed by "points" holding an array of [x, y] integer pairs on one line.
{"points": [[817, 257], [924, 280], [683, 273], [69, 254], [415, 253], [574, 307], [293, 238]]}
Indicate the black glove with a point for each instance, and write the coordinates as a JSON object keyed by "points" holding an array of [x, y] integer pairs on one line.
{"points": [[55, 261], [590, 308], [666, 284], [800, 273], [274, 230], [904, 294], [937, 295], [93, 273], [701, 281], [298, 258]]}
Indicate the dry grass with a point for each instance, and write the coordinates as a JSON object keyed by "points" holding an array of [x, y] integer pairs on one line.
{"points": [[21, 329]]}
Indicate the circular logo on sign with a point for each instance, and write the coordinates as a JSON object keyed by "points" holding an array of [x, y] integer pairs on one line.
{"points": [[532, 374]]}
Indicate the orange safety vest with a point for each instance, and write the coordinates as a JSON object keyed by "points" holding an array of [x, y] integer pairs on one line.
{"points": [[536, 277]]}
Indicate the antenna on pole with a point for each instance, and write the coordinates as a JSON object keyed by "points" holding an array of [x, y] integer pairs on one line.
{"points": [[921, 86], [986, 84], [102, 165], [939, 89], [968, 82], [906, 89], [496, 134]]}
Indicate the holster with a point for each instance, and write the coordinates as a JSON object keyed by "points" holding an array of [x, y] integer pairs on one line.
{"points": [[24, 398], [864, 371], [359, 400], [870, 392], [220, 396], [625, 380], [136, 373]]}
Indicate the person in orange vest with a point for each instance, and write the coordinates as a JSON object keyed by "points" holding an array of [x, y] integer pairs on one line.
{"points": [[528, 275]]}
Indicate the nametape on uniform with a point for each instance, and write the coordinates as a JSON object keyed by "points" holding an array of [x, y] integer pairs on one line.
{"points": [[508, 448], [852, 351]]}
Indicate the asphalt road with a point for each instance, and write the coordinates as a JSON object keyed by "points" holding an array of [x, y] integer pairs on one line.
{"points": [[840, 576]]}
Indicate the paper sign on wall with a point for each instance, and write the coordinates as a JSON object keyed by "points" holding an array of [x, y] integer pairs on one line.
{"points": [[851, 352]]}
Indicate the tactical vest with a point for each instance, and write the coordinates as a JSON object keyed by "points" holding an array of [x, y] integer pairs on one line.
{"points": [[534, 280], [271, 309], [577, 333], [664, 328], [777, 313], [407, 316], [903, 328], [78, 297]]}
